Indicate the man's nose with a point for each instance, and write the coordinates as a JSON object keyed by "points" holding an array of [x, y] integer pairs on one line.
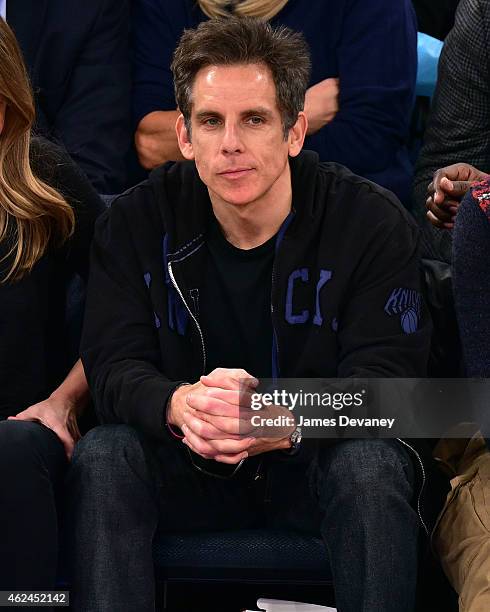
{"points": [[231, 142]]}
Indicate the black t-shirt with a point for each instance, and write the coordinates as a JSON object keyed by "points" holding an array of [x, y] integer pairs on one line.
{"points": [[33, 341], [236, 305]]}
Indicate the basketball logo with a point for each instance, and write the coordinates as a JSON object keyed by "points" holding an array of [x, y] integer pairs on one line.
{"points": [[405, 303], [409, 321]]}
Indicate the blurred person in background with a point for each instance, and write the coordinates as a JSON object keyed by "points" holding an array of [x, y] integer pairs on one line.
{"points": [[458, 127], [78, 61], [462, 538], [458, 207], [358, 105]]}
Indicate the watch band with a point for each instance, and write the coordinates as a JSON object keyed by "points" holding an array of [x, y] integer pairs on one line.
{"points": [[295, 439]]}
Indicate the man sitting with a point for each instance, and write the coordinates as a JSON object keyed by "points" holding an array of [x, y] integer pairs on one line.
{"points": [[250, 260]]}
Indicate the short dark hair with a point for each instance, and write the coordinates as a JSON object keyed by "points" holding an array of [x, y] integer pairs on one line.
{"points": [[243, 40]]}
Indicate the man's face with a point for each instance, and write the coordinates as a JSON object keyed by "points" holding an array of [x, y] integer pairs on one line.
{"points": [[237, 137]]}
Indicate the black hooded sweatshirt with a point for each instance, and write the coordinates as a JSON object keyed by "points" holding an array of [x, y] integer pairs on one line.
{"points": [[345, 299], [345, 291]]}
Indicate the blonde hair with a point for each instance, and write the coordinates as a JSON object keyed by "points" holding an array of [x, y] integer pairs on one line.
{"points": [[263, 9], [32, 214]]}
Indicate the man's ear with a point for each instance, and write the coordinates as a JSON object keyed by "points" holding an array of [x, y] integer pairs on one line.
{"points": [[297, 134], [185, 144]]}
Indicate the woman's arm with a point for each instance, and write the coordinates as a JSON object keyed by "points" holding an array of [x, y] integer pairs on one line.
{"points": [[60, 410]]}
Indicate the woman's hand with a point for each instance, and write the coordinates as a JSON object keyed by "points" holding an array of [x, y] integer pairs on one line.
{"points": [[56, 414]]}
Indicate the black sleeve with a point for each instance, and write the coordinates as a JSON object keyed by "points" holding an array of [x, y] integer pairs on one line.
{"points": [[54, 166], [385, 328], [120, 348], [94, 120], [472, 284], [156, 28]]}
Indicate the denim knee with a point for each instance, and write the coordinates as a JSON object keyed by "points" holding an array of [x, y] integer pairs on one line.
{"points": [[362, 466], [107, 450]]}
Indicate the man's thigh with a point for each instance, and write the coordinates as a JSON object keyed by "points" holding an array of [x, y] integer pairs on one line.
{"points": [[295, 485], [160, 475], [290, 499], [190, 500]]}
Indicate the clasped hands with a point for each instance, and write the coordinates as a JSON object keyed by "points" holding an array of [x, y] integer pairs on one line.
{"points": [[214, 415], [446, 190]]}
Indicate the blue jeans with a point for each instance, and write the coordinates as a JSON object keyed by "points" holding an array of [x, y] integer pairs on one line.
{"points": [[125, 488]]}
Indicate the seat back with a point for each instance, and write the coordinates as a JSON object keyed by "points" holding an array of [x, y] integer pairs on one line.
{"points": [[248, 555]]}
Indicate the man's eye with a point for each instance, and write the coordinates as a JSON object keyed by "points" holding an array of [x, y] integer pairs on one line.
{"points": [[255, 120], [211, 121]]}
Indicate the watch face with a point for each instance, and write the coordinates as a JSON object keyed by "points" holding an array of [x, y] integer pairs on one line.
{"points": [[296, 436]]}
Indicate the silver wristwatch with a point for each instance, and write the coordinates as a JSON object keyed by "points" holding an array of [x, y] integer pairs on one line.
{"points": [[295, 439]]}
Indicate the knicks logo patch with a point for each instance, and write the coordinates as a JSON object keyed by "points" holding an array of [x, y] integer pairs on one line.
{"points": [[405, 303]]}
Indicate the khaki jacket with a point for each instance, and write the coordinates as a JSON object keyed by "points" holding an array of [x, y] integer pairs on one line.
{"points": [[461, 537]]}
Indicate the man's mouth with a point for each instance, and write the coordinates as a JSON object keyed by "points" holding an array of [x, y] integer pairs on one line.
{"points": [[235, 173]]}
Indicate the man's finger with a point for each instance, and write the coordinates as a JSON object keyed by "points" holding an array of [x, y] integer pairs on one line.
{"points": [[229, 378], [220, 402], [434, 220], [208, 430], [243, 424], [212, 405], [442, 214], [213, 447], [198, 445], [231, 459], [443, 185], [194, 450], [437, 178], [460, 189], [240, 397], [448, 203], [232, 372], [457, 189], [215, 427], [453, 190]]}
